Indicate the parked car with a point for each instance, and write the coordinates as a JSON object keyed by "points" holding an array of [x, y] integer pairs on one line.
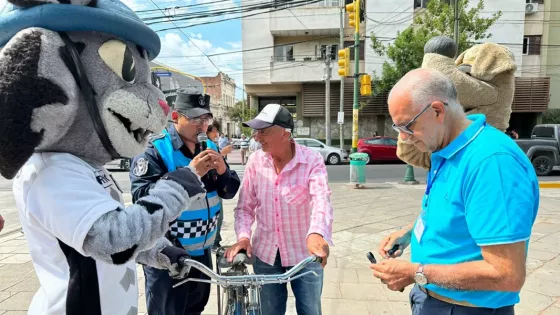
{"points": [[379, 148], [122, 164], [542, 148], [331, 155]]}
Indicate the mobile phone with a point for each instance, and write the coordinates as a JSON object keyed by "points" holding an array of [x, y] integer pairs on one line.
{"points": [[371, 258]]}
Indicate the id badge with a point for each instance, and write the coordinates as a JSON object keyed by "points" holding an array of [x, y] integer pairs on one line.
{"points": [[419, 229]]}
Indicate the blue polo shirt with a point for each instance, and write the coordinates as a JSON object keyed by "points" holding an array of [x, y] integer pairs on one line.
{"points": [[484, 192]]}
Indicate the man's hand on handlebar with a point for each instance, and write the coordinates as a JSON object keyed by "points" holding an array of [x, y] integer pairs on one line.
{"points": [[317, 245], [243, 243], [176, 256]]}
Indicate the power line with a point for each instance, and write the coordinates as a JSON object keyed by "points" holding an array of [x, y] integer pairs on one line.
{"points": [[234, 18], [180, 30]]}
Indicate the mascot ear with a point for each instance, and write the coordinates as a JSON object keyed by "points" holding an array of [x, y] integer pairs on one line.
{"points": [[32, 3], [37, 96], [490, 60]]}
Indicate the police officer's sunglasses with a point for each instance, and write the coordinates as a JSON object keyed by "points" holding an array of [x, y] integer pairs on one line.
{"points": [[200, 120], [406, 128]]}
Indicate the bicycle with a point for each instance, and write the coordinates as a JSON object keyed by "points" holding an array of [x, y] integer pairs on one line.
{"points": [[242, 290]]}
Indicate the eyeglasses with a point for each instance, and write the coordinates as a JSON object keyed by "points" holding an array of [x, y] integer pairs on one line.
{"points": [[262, 132], [200, 120], [406, 128]]}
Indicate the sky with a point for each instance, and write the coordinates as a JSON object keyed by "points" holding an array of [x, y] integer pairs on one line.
{"points": [[216, 38], [186, 51]]}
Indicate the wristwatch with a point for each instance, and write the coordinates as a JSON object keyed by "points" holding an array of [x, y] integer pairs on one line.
{"points": [[419, 277]]}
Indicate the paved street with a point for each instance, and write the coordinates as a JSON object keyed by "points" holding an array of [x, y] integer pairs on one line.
{"points": [[362, 218]]}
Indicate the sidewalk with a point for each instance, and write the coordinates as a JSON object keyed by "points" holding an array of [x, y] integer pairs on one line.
{"points": [[362, 219]]}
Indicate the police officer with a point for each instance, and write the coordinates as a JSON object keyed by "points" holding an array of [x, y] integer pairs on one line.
{"points": [[195, 229]]}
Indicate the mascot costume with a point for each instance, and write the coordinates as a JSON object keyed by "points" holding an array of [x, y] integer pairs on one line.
{"points": [[484, 76], [76, 93]]}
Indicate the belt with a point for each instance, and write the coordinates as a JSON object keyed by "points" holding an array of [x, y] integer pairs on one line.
{"points": [[445, 299]]}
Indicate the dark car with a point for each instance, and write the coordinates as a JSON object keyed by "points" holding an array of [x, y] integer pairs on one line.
{"points": [[379, 148], [543, 148]]}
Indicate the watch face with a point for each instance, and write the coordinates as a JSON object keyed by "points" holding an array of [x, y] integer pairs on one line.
{"points": [[420, 279]]}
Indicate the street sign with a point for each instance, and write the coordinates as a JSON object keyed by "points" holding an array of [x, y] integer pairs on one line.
{"points": [[341, 118], [303, 131], [163, 74]]}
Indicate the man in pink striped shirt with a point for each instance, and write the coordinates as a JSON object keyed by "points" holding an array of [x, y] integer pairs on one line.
{"points": [[285, 189]]}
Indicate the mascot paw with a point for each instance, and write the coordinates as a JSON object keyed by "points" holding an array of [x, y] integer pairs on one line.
{"points": [[465, 68], [174, 256], [189, 180]]}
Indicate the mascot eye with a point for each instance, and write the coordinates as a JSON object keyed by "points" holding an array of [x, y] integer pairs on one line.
{"points": [[119, 58]]}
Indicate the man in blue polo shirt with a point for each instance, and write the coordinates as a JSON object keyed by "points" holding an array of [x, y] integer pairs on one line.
{"points": [[470, 241]]}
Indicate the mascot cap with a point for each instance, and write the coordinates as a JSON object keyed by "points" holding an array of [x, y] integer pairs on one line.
{"points": [[106, 16]]}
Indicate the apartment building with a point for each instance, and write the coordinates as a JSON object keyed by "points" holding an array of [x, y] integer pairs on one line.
{"points": [[221, 89], [523, 27], [285, 51], [540, 64], [284, 62]]}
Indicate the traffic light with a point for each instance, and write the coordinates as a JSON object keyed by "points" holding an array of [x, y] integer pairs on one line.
{"points": [[354, 17], [344, 62], [365, 85]]}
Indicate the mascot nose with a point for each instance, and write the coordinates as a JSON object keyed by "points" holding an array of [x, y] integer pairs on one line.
{"points": [[164, 106]]}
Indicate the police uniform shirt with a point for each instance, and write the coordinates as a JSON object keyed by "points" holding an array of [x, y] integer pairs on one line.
{"points": [[59, 197], [148, 168]]}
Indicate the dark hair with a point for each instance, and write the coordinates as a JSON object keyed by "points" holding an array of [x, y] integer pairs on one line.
{"points": [[214, 126]]}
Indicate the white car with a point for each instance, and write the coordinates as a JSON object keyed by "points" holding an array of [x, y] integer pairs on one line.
{"points": [[331, 155]]}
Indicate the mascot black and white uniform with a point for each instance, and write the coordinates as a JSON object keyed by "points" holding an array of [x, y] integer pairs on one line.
{"points": [[76, 93]]}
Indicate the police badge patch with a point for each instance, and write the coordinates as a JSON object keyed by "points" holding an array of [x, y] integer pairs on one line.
{"points": [[141, 167]]}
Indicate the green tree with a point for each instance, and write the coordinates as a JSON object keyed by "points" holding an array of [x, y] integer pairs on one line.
{"points": [[437, 19], [241, 113]]}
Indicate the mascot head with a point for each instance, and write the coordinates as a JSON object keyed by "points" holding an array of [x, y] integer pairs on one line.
{"points": [[75, 78]]}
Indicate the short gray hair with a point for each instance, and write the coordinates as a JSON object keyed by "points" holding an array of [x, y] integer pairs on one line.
{"points": [[438, 87]]}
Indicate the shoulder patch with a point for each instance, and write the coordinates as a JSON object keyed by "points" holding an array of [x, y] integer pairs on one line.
{"points": [[141, 167]]}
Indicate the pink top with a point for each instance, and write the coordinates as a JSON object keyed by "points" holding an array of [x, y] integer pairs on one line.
{"points": [[288, 206]]}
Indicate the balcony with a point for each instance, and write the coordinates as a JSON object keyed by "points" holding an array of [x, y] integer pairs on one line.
{"points": [[298, 69], [320, 18]]}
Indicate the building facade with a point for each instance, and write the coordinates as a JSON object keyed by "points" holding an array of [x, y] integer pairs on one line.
{"points": [[285, 51], [291, 70], [522, 29], [221, 89]]}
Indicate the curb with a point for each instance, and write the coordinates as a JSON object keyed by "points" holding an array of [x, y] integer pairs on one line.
{"points": [[549, 185]]}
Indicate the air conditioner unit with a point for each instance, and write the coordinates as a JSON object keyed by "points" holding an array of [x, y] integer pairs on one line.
{"points": [[531, 8]]}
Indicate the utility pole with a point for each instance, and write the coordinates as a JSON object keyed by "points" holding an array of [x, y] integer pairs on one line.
{"points": [[328, 68], [341, 110], [356, 107], [456, 26]]}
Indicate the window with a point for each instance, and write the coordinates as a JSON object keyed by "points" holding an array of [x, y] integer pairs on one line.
{"points": [[300, 142], [544, 132], [323, 52], [284, 53], [374, 141], [532, 45], [313, 144], [389, 141], [535, 1], [362, 49], [424, 3]]}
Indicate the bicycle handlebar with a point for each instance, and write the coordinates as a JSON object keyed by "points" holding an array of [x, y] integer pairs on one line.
{"points": [[247, 279]]}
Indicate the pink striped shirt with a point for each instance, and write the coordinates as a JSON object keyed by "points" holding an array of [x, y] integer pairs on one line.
{"points": [[287, 206]]}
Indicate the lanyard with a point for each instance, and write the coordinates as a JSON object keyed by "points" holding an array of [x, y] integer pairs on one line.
{"points": [[432, 177]]}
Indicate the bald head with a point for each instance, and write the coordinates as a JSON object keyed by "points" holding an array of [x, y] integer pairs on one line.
{"points": [[420, 87]]}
